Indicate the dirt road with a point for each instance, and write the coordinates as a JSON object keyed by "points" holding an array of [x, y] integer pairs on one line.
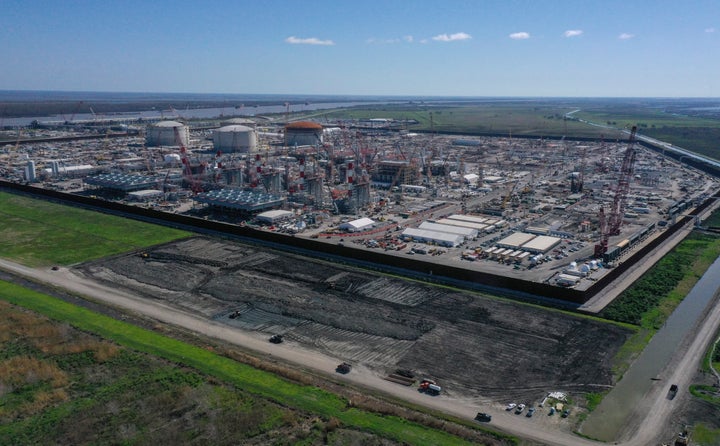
{"points": [[657, 413]]}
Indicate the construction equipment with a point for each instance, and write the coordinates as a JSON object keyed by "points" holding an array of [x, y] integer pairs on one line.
{"points": [[509, 195], [430, 387], [190, 176], [626, 172], [611, 225], [577, 183], [343, 368]]}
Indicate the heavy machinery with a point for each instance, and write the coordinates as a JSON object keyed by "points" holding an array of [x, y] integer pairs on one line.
{"points": [[343, 368], [430, 387], [611, 225]]}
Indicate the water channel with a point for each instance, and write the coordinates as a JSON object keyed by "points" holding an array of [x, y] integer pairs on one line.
{"points": [[607, 420]]}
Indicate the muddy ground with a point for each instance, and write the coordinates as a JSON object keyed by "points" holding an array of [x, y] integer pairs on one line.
{"points": [[474, 346]]}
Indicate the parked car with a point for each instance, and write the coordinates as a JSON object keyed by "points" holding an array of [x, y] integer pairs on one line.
{"points": [[530, 412], [276, 339], [484, 417], [511, 406], [566, 413], [519, 408]]}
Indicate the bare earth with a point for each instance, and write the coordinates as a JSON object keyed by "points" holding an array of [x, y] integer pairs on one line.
{"points": [[485, 352], [475, 347]]}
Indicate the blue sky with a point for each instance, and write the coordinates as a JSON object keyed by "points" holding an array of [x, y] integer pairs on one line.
{"points": [[392, 47]]}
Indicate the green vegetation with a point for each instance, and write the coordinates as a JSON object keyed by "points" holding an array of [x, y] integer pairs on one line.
{"points": [[62, 386], [477, 118], [593, 400], [261, 384], [713, 220], [650, 301], [693, 133], [705, 435], [41, 233], [706, 393]]}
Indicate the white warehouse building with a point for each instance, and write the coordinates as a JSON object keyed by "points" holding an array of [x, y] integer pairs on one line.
{"points": [[358, 225], [434, 237], [460, 230], [235, 139]]}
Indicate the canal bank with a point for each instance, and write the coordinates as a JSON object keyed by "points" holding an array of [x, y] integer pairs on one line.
{"points": [[656, 369]]}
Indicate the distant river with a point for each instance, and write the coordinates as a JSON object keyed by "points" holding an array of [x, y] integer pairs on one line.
{"points": [[191, 113]]}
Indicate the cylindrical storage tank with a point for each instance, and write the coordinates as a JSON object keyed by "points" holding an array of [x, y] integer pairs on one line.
{"points": [[303, 133], [164, 134], [235, 138]]}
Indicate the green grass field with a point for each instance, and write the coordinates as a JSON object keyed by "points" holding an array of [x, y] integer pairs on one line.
{"points": [[507, 119], [259, 383], [40, 233], [545, 118], [689, 132]]}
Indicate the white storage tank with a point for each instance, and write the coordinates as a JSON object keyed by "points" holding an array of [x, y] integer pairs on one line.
{"points": [[167, 133], [235, 138]]}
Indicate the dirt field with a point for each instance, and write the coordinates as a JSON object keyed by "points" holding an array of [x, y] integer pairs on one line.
{"points": [[476, 347]]}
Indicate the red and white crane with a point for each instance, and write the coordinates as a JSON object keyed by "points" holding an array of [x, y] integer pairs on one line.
{"points": [[612, 225]]}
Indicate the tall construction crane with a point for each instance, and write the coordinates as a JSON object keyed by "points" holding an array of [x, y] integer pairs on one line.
{"points": [[195, 184], [577, 183], [611, 226]]}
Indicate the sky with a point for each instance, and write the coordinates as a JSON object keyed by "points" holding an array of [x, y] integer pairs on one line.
{"points": [[539, 48]]}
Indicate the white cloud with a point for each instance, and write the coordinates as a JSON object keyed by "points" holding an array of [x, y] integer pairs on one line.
{"points": [[407, 39], [520, 36], [573, 33], [709, 30], [424, 41], [626, 36], [308, 41], [452, 37]]}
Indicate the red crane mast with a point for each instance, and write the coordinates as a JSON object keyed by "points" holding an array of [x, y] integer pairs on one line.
{"points": [[611, 225]]}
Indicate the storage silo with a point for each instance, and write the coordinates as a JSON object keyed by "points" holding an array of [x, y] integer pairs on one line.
{"points": [[235, 138], [164, 134], [303, 133]]}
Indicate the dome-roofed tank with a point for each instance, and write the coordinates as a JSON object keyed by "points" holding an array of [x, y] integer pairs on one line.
{"points": [[303, 133], [163, 134], [235, 138]]}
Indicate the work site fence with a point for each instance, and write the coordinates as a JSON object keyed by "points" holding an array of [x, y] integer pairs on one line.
{"points": [[428, 270]]}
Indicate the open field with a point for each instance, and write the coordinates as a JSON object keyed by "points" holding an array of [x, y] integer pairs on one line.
{"points": [[696, 133], [37, 232], [108, 389], [513, 118]]}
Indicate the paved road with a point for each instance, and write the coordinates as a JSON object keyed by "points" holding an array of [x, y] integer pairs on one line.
{"points": [[646, 429]]}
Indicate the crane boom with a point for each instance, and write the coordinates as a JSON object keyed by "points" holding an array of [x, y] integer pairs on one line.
{"points": [[611, 225]]}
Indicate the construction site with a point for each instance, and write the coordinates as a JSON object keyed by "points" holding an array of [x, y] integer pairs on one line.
{"points": [[553, 212], [304, 208]]}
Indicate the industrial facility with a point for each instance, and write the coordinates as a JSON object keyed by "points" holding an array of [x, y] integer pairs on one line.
{"points": [[556, 212]]}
